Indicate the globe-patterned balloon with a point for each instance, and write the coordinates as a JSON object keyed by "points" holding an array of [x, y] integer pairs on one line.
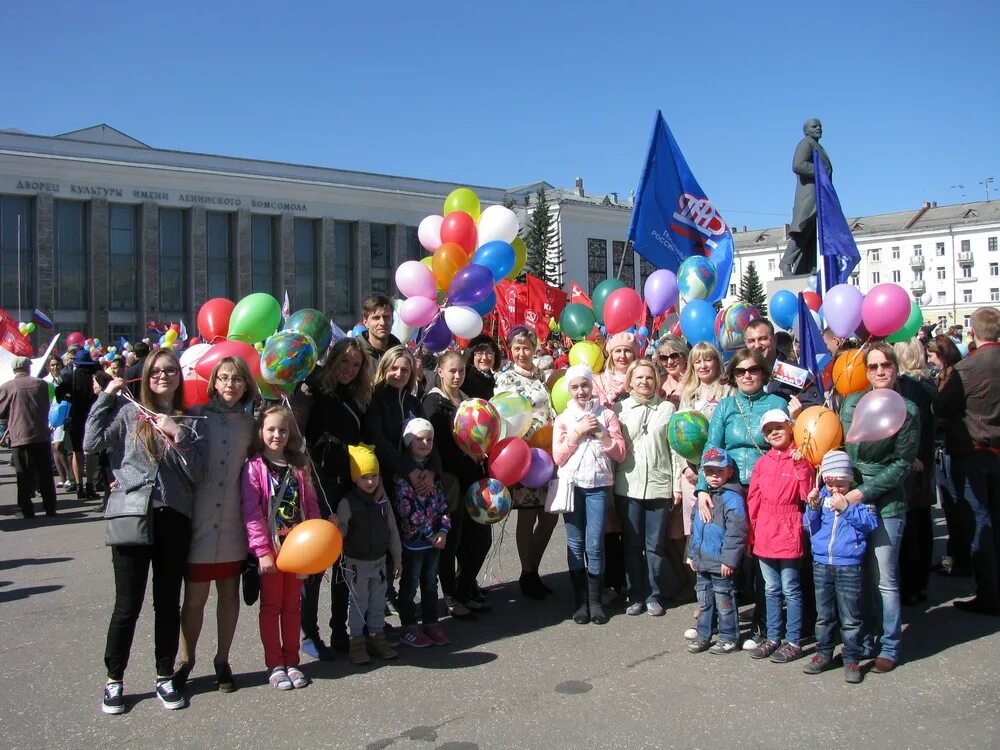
{"points": [[288, 357], [696, 278], [487, 501], [476, 427], [314, 324], [731, 324], [687, 433]]}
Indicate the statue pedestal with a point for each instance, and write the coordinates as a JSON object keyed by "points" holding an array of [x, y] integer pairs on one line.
{"points": [[794, 284]]}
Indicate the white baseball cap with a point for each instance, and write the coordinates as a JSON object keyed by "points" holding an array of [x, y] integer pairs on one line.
{"points": [[774, 416]]}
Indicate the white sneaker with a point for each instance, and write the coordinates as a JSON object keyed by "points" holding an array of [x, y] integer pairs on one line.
{"points": [[690, 634], [751, 643]]}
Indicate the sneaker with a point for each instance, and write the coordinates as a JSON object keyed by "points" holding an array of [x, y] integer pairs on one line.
{"points": [[765, 649], [416, 638], [723, 647], [296, 677], [788, 652], [752, 642], [853, 673], [698, 645], [437, 635], [309, 647], [655, 609], [634, 609], [691, 634], [114, 700], [279, 679], [459, 611], [817, 664], [168, 695]]}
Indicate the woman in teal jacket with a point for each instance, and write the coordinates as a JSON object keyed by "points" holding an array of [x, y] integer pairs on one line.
{"points": [[880, 466]]}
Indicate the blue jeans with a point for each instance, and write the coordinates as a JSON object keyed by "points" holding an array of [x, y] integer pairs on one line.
{"points": [[982, 493], [884, 611], [420, 569], [839, 590], [781, 583], [716, 593], [585, 529], [642, 522]]}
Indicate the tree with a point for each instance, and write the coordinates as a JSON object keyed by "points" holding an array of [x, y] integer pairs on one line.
{"points": [[555, 259], [752, 291], [537, 236]]}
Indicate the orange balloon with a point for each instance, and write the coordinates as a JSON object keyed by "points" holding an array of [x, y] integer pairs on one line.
{"points": [[816, 431], [849, 372], [446, 261], [541, 438], [310, 548]]}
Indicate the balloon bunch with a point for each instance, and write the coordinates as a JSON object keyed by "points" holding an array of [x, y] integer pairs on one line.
{"points": [[169, 338], [696, 279]]}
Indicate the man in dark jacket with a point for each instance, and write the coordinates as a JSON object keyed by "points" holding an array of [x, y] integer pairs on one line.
{"points": [[376, 316], [972, 395], [133, 373]]}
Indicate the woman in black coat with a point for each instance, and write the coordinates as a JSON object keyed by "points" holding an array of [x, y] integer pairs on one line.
{"points": [[482, 359]]}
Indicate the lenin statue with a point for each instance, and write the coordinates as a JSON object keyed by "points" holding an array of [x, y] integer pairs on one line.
{"points": [[800, 255]]}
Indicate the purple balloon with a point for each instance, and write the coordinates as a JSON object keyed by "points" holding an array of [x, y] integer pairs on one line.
{"points": [[878, 415], [437, 337], [470, 285], [540, 469], [842, 309], [661, 291]]}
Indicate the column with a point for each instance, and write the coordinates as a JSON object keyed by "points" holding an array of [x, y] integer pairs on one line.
{"points": [[98, 263], [149, 263], [327, 263], [196, 258], [284, 257], [45, 277], [363, 265], [243, 277]]}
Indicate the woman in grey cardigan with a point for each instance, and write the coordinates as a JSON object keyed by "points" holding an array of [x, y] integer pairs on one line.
{"points": [[149, 441], [218, 534]]}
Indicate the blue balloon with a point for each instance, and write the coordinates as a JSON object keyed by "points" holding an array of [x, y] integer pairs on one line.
{"points": [[783, 308], [698, 322], [498, 256], [485, 307], [470, 285], [437, 336], [357, 331]]}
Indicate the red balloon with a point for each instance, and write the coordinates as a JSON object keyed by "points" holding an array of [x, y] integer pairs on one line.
{"points": [[75, 339], [193, 340], [812, 300], [195, 392], [225, 349], [458, 227], [213, 319], [622, 310], [509, 461]]}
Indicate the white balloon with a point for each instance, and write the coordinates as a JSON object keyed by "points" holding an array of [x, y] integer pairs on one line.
{"points": [[497, 223], [399, 329], [464, 322], [190, 356], [429, 232], [925, 298]]}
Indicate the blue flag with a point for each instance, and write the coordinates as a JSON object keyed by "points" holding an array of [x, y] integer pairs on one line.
{"points": [[813, 354], [833, 234], [672, 219]]}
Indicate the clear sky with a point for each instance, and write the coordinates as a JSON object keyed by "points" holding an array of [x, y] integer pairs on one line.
{"points": [[510, 92]]}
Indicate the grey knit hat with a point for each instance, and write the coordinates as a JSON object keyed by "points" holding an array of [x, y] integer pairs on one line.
{"points": [[837, 464]]}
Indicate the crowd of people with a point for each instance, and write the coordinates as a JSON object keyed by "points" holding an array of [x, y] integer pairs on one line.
{"points": [[832, 551]]}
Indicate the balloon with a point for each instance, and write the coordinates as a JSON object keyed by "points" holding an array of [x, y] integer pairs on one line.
{"points": [[509, 460], [515, 411], [429, 232], [288, 357], [74, 339], [842, 309], [418, 311], [464, 322], [817, 430], [622, 310], [224, 349], [731, 323], [539, 469], [437, 337], [587, 353], [783, 308], [446, 261], [310, 548], [476, 428], [498, 256], [399, 329], [600, 296], [660, 291], [696, 278], [576, 320], [458, 227], [487, 501], [541, 438], [170, 335], [698, 322], [849, 372], [560, 395], [926, 298], [497, 223], [254, 318], [313, 324], [470, 285], [878, 415], [520, 257], [414, 279], [462, 199], [195, 391], [885, 309], [812, 300], [191, 356], [486, 306], [687, 432], [911, 327]]}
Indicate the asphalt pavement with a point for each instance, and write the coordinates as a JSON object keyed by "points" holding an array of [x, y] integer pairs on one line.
{"points": [[524, 676]]}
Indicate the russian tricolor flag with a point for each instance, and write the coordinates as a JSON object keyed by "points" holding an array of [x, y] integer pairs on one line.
{"points": [[42, 319]]}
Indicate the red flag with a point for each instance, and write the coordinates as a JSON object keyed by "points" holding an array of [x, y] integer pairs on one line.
{"points": [[11, 338], [576, 294], [545, 302], [512, 301]]}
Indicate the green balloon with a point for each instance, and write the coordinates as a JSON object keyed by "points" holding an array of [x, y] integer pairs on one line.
{"points": [[576, 321], [254, 318], [687, 433], [911, 327], [560, 395], [52, 392], [601, 293]]}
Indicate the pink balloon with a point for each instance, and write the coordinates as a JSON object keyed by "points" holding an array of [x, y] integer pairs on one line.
{"points": [[878, 415], [418, 312], [429, 232], [884, 309], [414, 279]]}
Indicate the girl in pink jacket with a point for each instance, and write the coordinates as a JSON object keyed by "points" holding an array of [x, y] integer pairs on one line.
{"points": [[277, 495], [586, 443]]}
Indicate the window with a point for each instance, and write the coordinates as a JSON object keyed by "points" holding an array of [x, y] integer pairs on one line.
{"points": [[966, 246], [122, 242], [262, 254], [991, 244], [305, 264], [966, 272], [645, 269], [966, 295], [967, 321], [895, 253], [875, 277], [854, 279], [770, 264], [172, 287], [732, 290], [218, 252], [994, 269], [897, 276], [70, 250], [130, 333], [918, 250], [345, 243], [942, 297], [16, 252], [413, 247], [942, 273], [994, 294], [381, 245], [627, 274], [873, 254], [597, 262], [939, 249], [917, 275]]}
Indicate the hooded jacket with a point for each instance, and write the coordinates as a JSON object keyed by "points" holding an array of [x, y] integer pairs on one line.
{"points": [[722, 541], [257, 489], [779, 486], [839, 538]]}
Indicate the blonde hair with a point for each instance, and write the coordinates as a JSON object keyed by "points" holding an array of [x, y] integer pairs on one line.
{"points": [[689, 381], [295, 452], [387, 361], [634, 365], [910, 355]]}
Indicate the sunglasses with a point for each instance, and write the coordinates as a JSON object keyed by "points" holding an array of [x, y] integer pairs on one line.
{"points": [[753, 371], [668, 357], [876, 366], [163, 372]]}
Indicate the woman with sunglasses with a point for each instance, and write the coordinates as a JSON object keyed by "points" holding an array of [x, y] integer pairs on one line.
{"points": [[672, 360], [882, 466]]}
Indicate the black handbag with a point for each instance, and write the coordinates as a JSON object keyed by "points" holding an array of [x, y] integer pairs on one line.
{"points": [[128, 516]]}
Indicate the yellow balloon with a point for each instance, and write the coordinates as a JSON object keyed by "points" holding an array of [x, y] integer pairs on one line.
{"points": [[560, 395], [520, 257], [428, 261], [463, 199], [587, 353]]}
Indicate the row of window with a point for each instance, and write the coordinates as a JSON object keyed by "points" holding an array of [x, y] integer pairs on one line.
{"points": [[939, 249], [942, 274]]}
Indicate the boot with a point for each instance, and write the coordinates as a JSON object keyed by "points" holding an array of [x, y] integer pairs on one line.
{"points": [[381, 647], [529, 583], [358, 651], [594, 588], [578, 578]]}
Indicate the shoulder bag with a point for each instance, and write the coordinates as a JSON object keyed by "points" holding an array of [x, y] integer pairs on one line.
{"points": [[129, 515]]}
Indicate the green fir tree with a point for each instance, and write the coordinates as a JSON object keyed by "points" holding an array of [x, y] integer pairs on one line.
{"points": [[538, 234], [752, 291]]}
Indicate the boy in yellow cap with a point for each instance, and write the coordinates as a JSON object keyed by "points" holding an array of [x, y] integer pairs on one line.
{"points": [[366, 520]]}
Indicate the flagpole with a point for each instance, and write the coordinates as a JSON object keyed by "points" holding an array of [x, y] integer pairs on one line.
{"points": [[621, 263]]}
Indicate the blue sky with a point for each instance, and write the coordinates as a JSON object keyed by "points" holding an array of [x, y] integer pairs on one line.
{"points": [[512, 92]]}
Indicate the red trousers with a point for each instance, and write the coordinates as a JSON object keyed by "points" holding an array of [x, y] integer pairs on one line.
{"points": [[279, 618]]}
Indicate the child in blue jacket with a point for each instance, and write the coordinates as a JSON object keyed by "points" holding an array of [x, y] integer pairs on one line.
{"points": [[714, 554], [838, 532]]}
